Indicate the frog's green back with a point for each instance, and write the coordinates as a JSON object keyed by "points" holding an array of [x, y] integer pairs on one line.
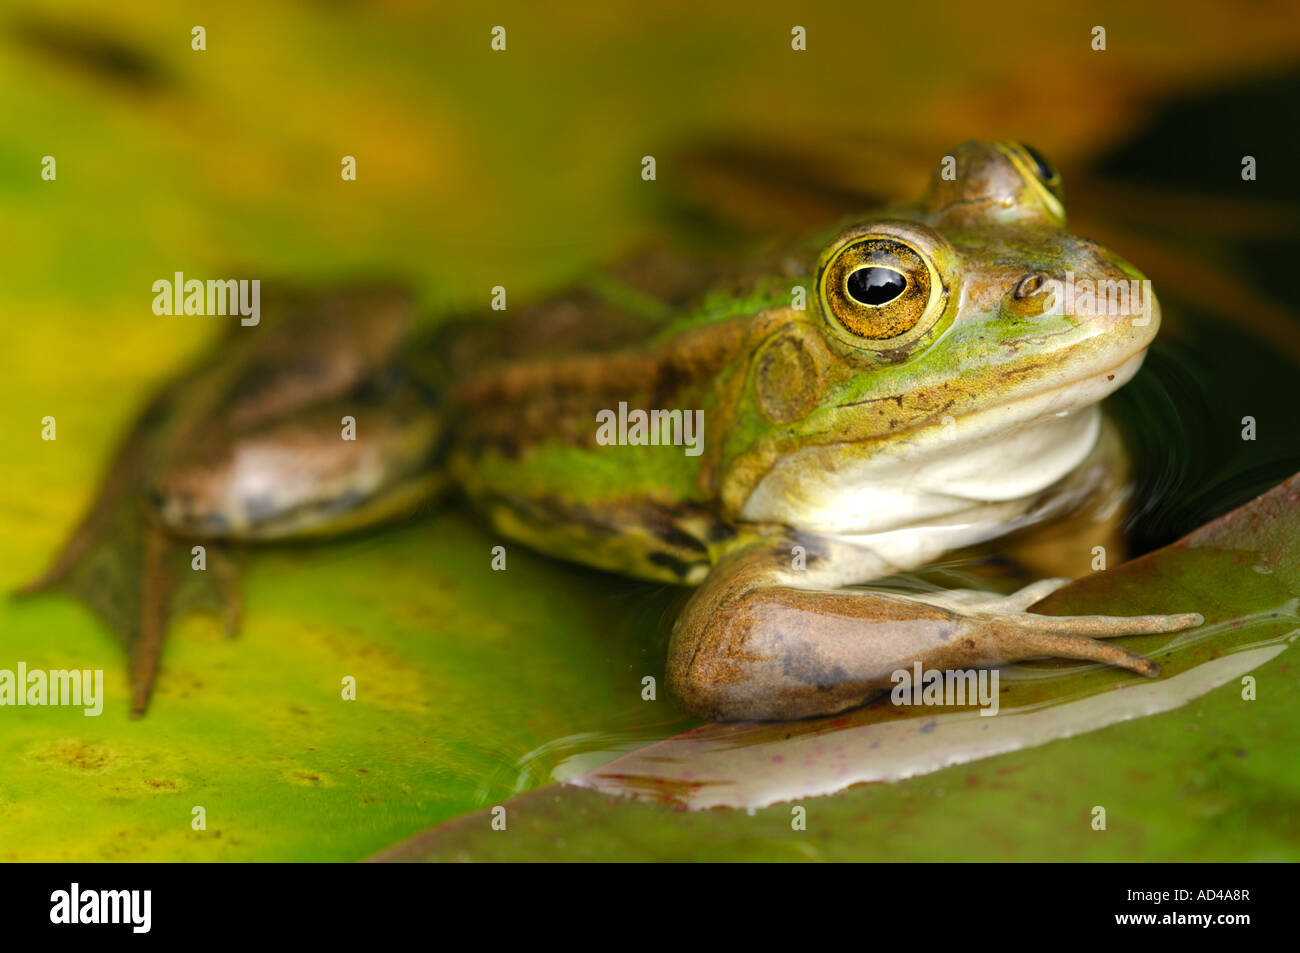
{"points": [[528, 395]]}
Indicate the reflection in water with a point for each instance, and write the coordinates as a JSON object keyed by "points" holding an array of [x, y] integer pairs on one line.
{"points": [[753, 766], [571, 756]]}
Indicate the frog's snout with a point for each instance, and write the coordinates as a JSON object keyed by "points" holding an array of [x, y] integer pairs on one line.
{"points": [[1126, 297], [1100, 289]]}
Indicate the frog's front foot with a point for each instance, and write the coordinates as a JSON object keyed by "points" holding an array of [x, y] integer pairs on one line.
{"points": [[759, 642]]}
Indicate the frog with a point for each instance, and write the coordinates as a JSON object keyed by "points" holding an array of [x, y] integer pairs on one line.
{"points": [[779, 433]]}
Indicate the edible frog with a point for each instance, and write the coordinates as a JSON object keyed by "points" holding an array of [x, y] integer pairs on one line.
{"points": [[779, 436]]}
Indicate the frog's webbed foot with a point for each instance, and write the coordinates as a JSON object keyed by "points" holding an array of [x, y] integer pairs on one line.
{"points": [[144, 644], [138, 578], [1060, 636], [215, 591], [1024, 635], [170, 587], [759, 641]]}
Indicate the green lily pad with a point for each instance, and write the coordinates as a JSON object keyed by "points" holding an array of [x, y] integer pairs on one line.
{"points": [[256, 730]]}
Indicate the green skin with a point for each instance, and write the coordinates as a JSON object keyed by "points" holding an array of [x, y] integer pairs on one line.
{"points": [[804, 410]]}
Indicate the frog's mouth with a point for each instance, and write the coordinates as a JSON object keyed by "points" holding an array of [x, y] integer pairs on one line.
{"points": [[1003, 454], [1020, 447]]}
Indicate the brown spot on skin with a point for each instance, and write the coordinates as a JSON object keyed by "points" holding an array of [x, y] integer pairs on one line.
{"points": [[720, 531], [896, 398], [680, 539], [1020, 371], [671, 563], [670, 379]]}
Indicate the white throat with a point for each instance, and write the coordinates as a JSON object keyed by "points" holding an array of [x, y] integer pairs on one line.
{"points": [[944, 486]]}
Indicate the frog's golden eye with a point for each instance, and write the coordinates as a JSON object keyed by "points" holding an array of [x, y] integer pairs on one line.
{"points": [[1042, 168], [1046, 173], [875, 286], [879, 289], [1045, 187]]}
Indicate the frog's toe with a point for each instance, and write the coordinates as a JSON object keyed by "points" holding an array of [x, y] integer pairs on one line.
{"points": [[230, 598], [1029, 634], [980, 600], [1024, 643], [1110, 626], [1032, 593]]}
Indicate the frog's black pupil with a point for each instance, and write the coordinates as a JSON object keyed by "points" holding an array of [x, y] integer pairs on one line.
{"points": [[876, 285], [1041, 165]]}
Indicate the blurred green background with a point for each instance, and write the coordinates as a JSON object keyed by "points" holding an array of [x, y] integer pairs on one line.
{"points": [[475, 168]]}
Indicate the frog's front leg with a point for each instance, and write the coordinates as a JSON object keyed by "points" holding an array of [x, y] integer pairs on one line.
{"points": [[760, 640]]}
